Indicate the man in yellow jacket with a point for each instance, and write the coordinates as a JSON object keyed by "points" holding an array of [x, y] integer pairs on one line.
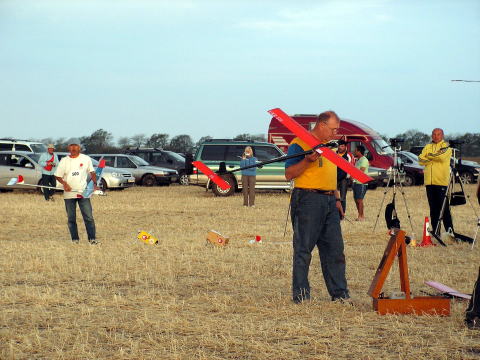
{"points": [[436, 157]]}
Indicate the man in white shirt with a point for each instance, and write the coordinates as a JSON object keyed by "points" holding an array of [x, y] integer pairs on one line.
{"points": [[72, 172]]}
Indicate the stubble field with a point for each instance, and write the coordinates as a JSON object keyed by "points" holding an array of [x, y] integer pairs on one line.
{"points": [[181, 299]]}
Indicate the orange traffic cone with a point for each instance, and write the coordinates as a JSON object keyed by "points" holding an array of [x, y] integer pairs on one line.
{"points": [[427, 239]]}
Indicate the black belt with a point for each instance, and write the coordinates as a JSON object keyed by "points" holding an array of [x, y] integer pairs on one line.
{"points": [[318, 191]]}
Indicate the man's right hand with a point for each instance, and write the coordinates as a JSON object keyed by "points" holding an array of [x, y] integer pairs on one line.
{"points": [[67, 187], [312, 157]]}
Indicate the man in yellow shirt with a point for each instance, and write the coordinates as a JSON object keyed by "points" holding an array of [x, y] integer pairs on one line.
{"points": [[435, 157], [316, 211]]}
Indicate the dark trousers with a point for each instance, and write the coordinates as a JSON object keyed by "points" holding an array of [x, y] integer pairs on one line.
{"points": [[248, 189], [86, 210], [436, 195], [473, 309], [48, 180], [342, 186], [316, 222]]}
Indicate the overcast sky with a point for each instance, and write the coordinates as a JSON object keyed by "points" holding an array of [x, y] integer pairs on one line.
{"points": [[214, 68]]}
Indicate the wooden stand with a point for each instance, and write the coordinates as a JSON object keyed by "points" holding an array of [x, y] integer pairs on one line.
{"points": [[432, 305], [217, 239]]}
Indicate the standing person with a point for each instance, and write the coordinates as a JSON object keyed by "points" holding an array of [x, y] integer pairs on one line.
{"points": [[249, 177], [359, 189], [48, 161], [435, 157], [472, 314], [316, 211], [72, 172], [342, 177]]}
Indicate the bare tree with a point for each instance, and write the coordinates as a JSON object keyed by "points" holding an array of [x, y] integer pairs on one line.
{"points": [[138, 140]]}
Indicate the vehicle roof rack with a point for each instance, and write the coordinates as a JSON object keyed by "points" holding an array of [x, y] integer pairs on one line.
{"points": [[14, 140]]}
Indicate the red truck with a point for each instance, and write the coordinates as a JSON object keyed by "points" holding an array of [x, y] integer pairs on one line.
{"points": [[378, 152]]}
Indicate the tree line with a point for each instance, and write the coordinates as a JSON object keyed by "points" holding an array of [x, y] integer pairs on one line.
{"points": [[101, 141]]}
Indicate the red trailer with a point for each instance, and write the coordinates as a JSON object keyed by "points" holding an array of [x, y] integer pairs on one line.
{"points": [[378, 152]]}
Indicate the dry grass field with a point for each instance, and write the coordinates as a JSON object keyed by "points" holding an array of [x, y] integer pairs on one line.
{"points": [[181, 299]]}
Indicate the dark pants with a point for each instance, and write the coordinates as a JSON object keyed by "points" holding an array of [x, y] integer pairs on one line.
{"points": [[86, 210], [473, 309], [316, 222], [342, 186], [248, 189], [48, 180], [435, 195]]}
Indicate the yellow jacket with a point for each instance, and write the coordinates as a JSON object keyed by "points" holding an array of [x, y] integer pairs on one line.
{"points": [[436, 159]]}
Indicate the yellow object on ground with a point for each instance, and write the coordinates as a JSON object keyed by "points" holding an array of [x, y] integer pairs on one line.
{"points": [[147, 238]]}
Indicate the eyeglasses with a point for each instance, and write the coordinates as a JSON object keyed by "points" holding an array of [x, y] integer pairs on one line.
{"points": [[334, 128]]}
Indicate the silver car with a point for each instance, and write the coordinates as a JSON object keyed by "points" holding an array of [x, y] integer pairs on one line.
{"points": [[145, 174], [14, 163]]}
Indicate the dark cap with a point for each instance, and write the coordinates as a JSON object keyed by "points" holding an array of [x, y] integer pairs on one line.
{"points": [[341, 142]]}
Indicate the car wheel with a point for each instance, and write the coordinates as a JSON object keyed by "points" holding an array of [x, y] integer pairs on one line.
{"points": [[40, 189], [218, 190], [409, 180], [466, 178], [184, 179], [149, 180], [103, 185]]}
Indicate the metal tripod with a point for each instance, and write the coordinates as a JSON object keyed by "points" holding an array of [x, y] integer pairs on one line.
{"points": [[446, 200], [394, 179]]}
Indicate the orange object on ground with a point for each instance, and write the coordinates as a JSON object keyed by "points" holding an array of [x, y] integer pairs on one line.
{"points": [[427, 239], [406, 303]]}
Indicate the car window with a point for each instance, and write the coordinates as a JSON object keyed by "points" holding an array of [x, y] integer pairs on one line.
{"points": [[143, 155], [157, 158], [213, 152], [175, 156], [234, 153], [138, 160], [263, 153], [7, 147], [5, 159], [21, 147], [109, 160], [38, 148], [22, 161], [124, 162]]}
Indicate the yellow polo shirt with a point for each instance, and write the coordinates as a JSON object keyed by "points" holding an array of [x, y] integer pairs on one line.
{"points": [[320, 174]]}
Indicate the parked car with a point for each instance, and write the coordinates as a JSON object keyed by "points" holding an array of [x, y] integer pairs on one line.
{"points": [[11, 144], [14, 163], [112, 178], [144, 173], [269, 176], [467, 170], [413, 170], [163, 158]]}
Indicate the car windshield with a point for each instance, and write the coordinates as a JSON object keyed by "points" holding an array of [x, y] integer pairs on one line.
{"points": [[39, 148], [138, 161], [382, 147], [176, 156]]}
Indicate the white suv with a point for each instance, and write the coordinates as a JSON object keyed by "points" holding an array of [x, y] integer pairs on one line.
{"points": [[9, 144]]}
